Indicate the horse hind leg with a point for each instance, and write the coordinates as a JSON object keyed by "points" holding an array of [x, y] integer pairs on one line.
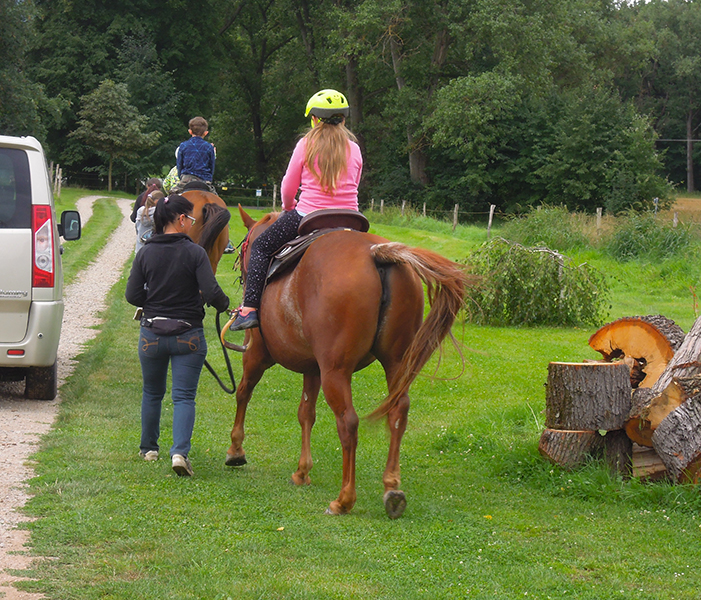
{"points": [[307, 417], [337, 390], [394, 499]]}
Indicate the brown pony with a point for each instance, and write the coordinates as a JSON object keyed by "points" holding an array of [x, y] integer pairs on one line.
{"points": [[211, 228], [352, 299]]}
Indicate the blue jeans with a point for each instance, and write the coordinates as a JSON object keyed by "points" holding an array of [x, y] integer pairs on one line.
{"points": [[186, 354]]}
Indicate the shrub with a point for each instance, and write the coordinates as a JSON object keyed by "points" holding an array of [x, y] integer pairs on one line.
{"points": [[534, 286], [646, 236], [551, 226]]}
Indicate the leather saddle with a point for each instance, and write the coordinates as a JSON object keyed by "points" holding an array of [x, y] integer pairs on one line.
{"points": [[313, 226]]}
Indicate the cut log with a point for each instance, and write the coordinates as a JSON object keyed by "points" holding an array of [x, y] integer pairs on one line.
{"points": [[587, 396], [680, 380], [647, 464], [687, 359], [644, 419], [569, 449], [678, 441], [646, 343]]}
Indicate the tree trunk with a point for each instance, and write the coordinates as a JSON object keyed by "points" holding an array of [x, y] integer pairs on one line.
{"points": [[678, 441], [690, 187], [647, 343], [587, 396]]}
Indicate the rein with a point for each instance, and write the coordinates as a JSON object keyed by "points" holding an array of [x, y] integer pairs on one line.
{"points": [[228, 390]]}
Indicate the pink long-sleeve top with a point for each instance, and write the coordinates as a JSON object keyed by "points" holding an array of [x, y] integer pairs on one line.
{"points": [[312, 197]]}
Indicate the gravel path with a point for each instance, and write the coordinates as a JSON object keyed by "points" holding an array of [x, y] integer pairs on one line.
{"points": [[23, 422]]}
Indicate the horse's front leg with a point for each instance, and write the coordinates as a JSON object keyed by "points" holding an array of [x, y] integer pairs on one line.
{"points": [[255, 363], [337, 390], [307, 417]]}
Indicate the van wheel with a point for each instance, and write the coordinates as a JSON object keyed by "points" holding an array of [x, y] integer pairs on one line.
{"points": [[42, 383]]}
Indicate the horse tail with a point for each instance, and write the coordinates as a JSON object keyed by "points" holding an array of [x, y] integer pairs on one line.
{"points": [[214, 219], [446, 283]]}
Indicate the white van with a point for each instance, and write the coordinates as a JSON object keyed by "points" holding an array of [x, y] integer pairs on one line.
{"points": [[31, 280]]}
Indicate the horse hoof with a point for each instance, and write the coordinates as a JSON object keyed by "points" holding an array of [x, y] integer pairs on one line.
{"points": [[335, 509], [297, 482], [395, 503], [235, 461]]}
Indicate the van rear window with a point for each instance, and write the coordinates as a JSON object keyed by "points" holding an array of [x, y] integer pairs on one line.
{"points": [[15, 189]]}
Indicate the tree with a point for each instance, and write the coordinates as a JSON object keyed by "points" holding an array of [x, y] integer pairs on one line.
{"points": [[111, 126], [671, 83]]}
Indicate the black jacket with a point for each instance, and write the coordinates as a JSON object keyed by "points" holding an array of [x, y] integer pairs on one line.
{"points": [[167, 276]]}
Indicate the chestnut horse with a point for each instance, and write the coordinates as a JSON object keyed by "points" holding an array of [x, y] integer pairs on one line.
{"points": [[353, 298], [211, 228]]}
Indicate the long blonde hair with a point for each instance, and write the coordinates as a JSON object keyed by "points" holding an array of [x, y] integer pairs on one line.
{"points": [[328, 144]]}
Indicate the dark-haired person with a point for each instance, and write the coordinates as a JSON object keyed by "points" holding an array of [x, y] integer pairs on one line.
{"points": [[171, 278], [195, 157], [153, 184], [326, 166]]}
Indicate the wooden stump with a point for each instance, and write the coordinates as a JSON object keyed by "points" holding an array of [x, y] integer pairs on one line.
{"points": [[587, 396], [646, 343], [677, 441], [569, 449]]}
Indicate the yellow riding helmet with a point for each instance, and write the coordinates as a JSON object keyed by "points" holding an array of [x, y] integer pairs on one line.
{"points": [[327, 104]]}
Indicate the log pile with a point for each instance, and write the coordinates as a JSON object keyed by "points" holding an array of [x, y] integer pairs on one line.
{"points": [[639, 407]]}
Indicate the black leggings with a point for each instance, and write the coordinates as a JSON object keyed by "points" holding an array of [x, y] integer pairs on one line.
{"points": [[265, 245]]}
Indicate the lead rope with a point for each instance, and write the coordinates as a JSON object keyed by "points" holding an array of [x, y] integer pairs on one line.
{"points": [[228, 390]]}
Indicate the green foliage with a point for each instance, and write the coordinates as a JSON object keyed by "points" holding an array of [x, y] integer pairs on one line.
{"points": [[552, 226], [645, 236], [524, 286]]}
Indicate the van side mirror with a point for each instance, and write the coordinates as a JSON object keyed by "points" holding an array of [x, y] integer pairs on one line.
{"points": [[69, 227]]}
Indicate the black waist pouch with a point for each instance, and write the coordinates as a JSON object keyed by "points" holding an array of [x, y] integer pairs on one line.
{"points": [[166, 326]]}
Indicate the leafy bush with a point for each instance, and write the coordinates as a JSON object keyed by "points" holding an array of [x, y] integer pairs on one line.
{"points": [[534, 286], [551, 226], [645, 236]]}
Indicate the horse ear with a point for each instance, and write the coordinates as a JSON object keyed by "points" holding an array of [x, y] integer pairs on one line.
{"points": [[247, 220]]}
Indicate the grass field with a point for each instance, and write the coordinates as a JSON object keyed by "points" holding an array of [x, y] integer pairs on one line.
{"points": [[487, 517]]}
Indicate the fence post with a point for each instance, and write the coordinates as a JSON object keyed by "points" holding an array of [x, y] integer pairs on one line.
{"points": [[372, 204], [424, 213], [60, 177], [491, 216], [403, 206], [676, 219], [599, 212], [382, 206], [274, 195], [455, 217]]}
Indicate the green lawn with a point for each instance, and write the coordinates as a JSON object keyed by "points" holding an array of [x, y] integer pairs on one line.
{"points": [[487, 517]]}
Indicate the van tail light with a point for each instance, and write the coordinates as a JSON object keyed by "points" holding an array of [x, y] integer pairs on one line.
{"points": [[43, 232]]}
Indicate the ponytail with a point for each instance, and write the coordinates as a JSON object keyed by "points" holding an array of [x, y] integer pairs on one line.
{"points": [[168, 209]]}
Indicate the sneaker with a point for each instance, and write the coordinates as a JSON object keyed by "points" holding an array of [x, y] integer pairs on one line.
{"points": [[182, 466], [229, 249], [149, 456], [245, 321]]}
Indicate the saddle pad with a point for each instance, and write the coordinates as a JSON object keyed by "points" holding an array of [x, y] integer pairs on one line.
{"points": [[291, 253]]}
